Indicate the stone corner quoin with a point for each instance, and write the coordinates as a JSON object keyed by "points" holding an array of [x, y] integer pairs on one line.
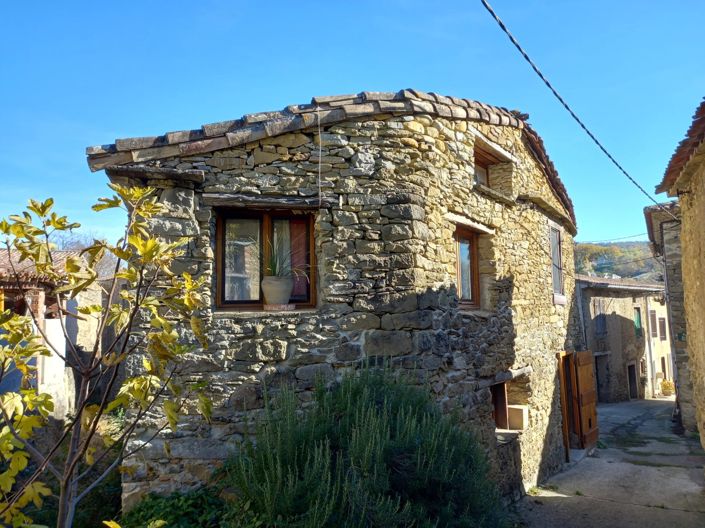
{"points": [[386, 179]]}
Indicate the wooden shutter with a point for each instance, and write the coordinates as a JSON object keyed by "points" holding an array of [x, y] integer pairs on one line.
{"points": [[652, 323], [586, 399]]}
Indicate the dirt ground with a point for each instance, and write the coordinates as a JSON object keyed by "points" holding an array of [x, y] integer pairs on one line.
{"points": [[642, 475]]}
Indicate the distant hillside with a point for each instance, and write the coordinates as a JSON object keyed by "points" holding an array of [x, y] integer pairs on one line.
{"points": [[626, 259]]}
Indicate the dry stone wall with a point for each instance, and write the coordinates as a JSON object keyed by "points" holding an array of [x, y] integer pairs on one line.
{"points": [[398, 186], [693, 265]]}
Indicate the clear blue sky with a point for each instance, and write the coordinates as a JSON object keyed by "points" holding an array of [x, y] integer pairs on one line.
{"points": [[82, 73]]}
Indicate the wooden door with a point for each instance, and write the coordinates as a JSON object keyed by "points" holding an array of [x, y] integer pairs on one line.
{"points": [[586, 399]]}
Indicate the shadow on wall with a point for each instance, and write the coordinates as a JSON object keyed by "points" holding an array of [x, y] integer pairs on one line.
{"points": [[554, 453], [461, 355], [620, 357]]}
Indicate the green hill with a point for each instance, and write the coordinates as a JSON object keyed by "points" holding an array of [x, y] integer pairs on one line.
{"points": [[626, 259]]}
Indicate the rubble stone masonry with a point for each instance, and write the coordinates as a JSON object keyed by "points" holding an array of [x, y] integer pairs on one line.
{"points": [[693, 243], [393, 188]]}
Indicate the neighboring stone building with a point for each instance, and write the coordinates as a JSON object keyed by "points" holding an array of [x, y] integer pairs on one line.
{"points": [[624, 325], [435, 232], [664, 237], [23, 288], [685, 178]]}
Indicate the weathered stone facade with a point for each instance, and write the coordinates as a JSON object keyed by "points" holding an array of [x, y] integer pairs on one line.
{"points": [[665, 238], [395, 182], [628, 356], [685, 178]]}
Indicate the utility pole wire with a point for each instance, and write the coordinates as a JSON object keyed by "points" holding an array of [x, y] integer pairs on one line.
{"points": [[568, 108]]}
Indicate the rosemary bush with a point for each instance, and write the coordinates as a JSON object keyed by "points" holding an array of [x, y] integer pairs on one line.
{"points": [[372, 451]]}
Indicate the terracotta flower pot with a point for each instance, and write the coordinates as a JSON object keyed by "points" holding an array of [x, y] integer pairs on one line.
{"points": [[277, 290]]}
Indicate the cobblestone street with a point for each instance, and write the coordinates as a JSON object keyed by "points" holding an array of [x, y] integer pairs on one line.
{"points": [[642, 475]]}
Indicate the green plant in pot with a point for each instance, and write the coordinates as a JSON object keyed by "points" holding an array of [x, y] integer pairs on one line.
{"points": [[278, 282]]}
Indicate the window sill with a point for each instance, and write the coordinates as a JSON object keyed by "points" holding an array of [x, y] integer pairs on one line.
{"points": [[559, 299], [493, 193], [225, 313], [472, 311], [506, 436]]}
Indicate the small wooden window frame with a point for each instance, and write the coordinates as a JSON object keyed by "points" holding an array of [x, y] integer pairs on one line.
{"points": [[485, 159], [266, 217], [465, 233], [500, 410]]}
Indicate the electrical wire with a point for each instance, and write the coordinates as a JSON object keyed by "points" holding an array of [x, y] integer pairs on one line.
{"points": [[569, 109], [612, 239]]}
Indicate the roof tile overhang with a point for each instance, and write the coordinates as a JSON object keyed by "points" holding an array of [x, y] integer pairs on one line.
{"points": [[627, 285], [325, 110], [684, 152], [655, 215]]}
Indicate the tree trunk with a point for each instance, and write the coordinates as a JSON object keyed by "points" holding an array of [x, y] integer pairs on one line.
{"points": [[69, 486]]}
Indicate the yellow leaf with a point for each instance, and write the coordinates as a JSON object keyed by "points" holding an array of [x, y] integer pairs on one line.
{"points": [[147, 364], [12, 403], [90, 460], [172, 413], [111, 524], [198, 330]]}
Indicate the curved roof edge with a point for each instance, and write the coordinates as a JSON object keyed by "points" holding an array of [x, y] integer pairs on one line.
{"points": [[693, 139], [325, 110]]}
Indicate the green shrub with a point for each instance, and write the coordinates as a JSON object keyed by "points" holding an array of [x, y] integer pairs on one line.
{"points": [[371, 452], [201, 507]]}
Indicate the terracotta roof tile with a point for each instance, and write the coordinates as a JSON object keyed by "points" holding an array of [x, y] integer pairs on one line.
{"points": [[329, 110], [685, 149]]}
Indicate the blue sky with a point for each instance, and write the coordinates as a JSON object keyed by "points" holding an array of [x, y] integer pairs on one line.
{"points": [[81, 73]]}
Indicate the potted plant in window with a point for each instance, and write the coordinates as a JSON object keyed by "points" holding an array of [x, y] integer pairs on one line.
{"points": [[278, 282]]}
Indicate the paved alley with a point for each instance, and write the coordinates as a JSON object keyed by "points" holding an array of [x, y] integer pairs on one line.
{"points": [[642, 475]]}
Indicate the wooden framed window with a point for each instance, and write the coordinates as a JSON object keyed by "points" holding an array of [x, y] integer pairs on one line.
{"points": [[467, 274], [637, 321], [556, 260], [652, 323], [483, 161], [662, 328], [244, 244]]}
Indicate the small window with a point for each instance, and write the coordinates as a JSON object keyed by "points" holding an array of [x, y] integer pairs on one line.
{"points": [[652, 323], [246, 244], [662, 328], [600, 317], [483, 161], [556, 261], [481, 174], [637, 321], [468, 282], [500, 411]]}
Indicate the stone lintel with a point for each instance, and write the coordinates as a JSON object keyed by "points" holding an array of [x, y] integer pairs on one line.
{"points": [[548, 208], [164, 173], [487, 144], [507, 375], [467, 222], [265, 202]]}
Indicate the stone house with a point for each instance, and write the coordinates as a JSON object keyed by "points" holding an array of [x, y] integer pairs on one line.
{"points": [[624, 324], [685, 178], [665, 242], [35, 292], [435, 233]]}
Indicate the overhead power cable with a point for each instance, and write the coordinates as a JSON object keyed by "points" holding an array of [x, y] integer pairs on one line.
{"points": [[612, 239], [569, 109]]}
